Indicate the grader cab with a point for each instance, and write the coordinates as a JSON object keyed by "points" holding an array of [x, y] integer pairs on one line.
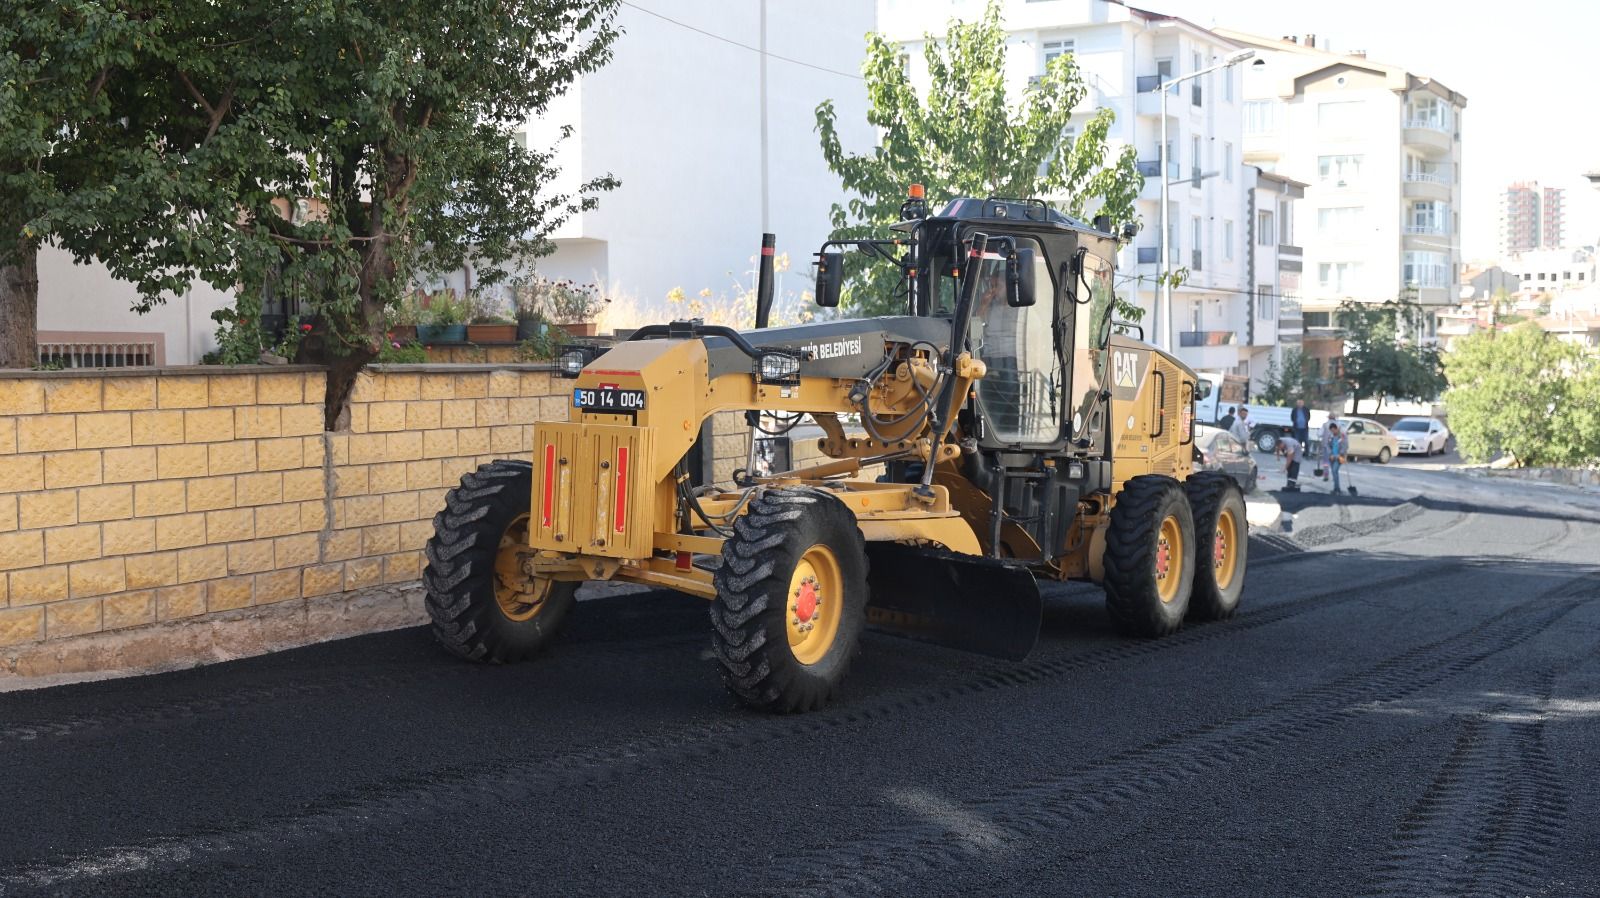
{"points": [[1021, 438]]}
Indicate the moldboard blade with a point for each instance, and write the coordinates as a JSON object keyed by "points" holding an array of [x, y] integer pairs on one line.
{"points": [[964, 602]]}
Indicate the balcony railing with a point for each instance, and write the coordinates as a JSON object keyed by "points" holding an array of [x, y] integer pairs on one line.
{"points": [[1289, 308], [1435, 229], [1149, 255], [1289, 249], [1152, 169], [1145, 84], [1195, 266], [1208, 338], [1430, 124], [1428, 177], [97, 354]]}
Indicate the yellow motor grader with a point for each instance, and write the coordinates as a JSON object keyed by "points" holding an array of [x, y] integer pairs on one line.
{"points": [[1021, 432]]}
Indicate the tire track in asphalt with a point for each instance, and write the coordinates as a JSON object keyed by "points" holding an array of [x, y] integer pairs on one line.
{"points": [[463, 788], [1490, 818], [956, 834]]}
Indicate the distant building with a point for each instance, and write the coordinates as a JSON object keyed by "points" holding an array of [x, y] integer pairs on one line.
{"points": [[1380, 148], [1552, 270], [1488, 281], [1531, 219], [1274, 324]]}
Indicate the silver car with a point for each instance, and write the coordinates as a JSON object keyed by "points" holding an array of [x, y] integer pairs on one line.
{"points": [[1421, 436]]}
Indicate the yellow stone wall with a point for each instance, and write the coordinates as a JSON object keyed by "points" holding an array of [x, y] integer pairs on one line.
{"points": [[132, 499]]}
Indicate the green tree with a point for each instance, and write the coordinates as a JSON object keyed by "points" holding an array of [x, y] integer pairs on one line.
{"points": [[966, 137], [1523, 392], [58, 63], [1283, 382], [1382, 355], [331, 150]]}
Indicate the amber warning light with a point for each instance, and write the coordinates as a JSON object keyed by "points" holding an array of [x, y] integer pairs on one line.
{"points": [[916, 192]]}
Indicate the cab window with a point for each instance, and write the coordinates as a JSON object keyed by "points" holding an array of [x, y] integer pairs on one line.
{"points": [[1020, 394]]}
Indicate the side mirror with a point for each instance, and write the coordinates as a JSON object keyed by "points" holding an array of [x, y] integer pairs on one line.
{"points": [[1019, 279], [830, 278]]}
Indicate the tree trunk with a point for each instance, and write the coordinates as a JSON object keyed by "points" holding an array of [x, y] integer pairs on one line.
{"points": [[19, 310]]}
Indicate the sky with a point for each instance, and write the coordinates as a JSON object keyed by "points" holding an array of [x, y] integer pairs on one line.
{"points": [[1527, 70]]}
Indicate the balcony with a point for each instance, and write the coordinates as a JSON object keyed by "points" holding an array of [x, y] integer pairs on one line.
{"points": [[1153, 168], [1149, 102], [1289, 249], [1208, 338], [1427, 186], [1427, 135], [1436, 229]]}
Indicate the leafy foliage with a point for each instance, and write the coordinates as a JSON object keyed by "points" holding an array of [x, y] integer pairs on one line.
{"points": [[328, 148], [412, 353], [967, 137], [1383, 357], [1524, 392]]}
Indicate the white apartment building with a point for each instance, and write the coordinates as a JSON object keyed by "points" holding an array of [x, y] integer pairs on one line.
{"points": [[1276, 267], [1552, 270], [1123, 52], [707, 115], [1380, 149]]}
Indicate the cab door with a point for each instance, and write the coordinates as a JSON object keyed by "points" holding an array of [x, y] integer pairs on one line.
{"points": [[1363, 441], [1021, 394]]}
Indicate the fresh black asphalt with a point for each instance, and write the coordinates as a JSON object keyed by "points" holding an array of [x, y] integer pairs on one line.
{"points": [[1407, 704]]}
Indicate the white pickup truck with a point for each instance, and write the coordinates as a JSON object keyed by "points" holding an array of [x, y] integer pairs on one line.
{"points": [[1218, 392]]}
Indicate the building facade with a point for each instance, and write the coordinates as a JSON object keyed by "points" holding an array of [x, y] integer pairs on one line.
{"points": [[1124, 53], [1276, 267], [1531, 219], [708, 119], [1380, 150]]}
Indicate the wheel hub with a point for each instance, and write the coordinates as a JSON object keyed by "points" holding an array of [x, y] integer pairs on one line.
{"points": [[1163, 558], [1219, 553], [806, 599]]}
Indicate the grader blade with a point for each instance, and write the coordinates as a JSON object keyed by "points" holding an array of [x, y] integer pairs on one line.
{"points": [[982, 605]]}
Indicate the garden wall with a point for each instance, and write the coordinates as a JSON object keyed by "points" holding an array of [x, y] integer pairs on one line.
{"points": [[173, 516]]}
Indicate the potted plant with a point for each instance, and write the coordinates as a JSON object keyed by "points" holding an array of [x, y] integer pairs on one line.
{"points": [[489, 324], [571, 306], [404, 318], [446, 320]]}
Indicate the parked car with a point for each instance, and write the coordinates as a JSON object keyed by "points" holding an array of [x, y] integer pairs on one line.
{"points": [[1369, 440], [1219, 451], [1423, 436]]}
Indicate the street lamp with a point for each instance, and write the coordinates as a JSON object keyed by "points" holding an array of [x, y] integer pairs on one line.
{"points": [[1164, 305]]}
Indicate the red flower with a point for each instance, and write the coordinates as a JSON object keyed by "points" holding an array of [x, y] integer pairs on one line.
{"points": [[306, 328]]}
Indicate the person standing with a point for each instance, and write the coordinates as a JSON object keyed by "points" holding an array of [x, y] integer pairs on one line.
{"points": [[1289, 448], [1240, 428], [1335, 445], [1226, 421], [1300, 422]]}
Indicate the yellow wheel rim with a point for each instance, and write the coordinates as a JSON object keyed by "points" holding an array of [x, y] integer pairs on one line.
{"points": [[1225, 548], [814, 604], [519, 596], [1169, 559]]}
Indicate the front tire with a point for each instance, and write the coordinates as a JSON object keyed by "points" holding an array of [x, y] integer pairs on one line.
{"points": [[483, 607], [1149, 568], [1221, 545], [791, 600], [1384, 455]]}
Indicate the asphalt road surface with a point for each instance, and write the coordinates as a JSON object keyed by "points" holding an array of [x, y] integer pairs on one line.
{"points": [[1406, 705]]}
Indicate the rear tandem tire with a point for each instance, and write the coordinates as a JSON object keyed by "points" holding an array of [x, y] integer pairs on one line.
{"points": [[1221, 545], [791, 600], [1149, 563], [482, 607]]}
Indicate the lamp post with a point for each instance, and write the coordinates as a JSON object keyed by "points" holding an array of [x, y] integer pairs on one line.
{"points": [[1164, 303]]}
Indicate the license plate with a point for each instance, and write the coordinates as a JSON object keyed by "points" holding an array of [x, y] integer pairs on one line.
{"points": [[608, 399]]}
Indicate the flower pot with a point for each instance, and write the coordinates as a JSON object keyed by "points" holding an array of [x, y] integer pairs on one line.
{"points": [[581, 329], [403, 333], [492, 333], [528, 328], [442, 333]]}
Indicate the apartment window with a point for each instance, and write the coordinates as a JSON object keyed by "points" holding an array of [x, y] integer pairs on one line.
{"points": [[1426, 269], [1227, 241], [1285, 224], [1261, 116], [1164, 74], [1428, 112], [1317, 319], [1197, 232], [1341, 222], [1340, 277], [1340, 116], [1194, 159], [1264, 304], [1052, 49], [1227, 84], [1266, 232], [1227, 162], [1427, 218], [1340, 171]]}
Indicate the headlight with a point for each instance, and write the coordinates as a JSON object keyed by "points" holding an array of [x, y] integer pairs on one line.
{"points": [[572, 362], [779, 368]]}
